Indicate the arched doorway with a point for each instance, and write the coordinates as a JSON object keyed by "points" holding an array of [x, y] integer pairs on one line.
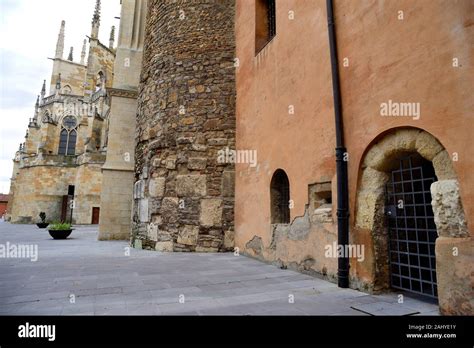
{"points": [[411, 226], [386, 155]]}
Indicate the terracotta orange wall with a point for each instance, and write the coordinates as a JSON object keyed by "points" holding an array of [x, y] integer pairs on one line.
{"points": [[409, 60], [406, 60], [293, 69]]}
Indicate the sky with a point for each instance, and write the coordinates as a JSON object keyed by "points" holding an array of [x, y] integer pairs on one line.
{"points": [[28, 35]]}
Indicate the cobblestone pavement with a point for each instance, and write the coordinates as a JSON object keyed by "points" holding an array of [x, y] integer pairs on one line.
{"points": [[82, 276]]}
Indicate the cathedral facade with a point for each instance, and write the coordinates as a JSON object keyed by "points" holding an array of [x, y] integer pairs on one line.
{"points": [[57, 170]]}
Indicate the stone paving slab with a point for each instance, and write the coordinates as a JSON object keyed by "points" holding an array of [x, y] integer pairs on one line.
{"points": [[105, 280], [384, 308]]}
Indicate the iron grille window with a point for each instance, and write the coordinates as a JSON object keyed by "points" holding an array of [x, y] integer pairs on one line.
{"points": [[271, 19], [265, 23], [280, 198]]}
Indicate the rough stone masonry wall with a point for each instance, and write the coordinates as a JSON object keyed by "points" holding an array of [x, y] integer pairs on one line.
{"points": [[184, 198]]}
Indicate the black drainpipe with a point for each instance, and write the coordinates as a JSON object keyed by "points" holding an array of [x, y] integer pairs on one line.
{"points": [[341, 161]]}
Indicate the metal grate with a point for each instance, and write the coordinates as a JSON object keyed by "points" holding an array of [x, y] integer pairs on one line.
{"points": [[271, 19], [284, 201], [412, 230]]}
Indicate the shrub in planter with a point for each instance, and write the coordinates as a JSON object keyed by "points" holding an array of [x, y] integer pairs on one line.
{"points": [[43, 223], [60, 230]]}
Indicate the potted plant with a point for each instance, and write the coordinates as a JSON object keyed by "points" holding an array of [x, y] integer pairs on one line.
{"points": [[60, 230], [43, 223]]}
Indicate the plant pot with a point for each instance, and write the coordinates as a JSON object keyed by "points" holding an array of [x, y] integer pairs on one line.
{"points": [[60, 234], [42, 224]]}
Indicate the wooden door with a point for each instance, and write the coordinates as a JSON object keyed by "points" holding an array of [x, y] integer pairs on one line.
{"points": [[95, 215]]}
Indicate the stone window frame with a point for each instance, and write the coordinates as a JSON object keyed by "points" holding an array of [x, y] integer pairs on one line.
{"points": [[66, 90], [67, 134], [46, 117]]}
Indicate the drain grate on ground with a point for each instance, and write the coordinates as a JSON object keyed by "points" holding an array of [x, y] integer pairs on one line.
{"points": [[384, 308]]}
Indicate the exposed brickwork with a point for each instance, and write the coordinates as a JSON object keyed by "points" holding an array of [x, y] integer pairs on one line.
{"points": [[186, 114]]}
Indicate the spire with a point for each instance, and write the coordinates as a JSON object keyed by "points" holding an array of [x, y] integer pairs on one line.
{"points": [[43, 90], [112, 37], [83, 52], [70, 57], [35, 117], [96, 21], [60, 44]]}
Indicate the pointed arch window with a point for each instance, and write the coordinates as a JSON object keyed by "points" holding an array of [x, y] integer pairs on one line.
{"points": [[68, 136], [67, 90], [280, 198]]}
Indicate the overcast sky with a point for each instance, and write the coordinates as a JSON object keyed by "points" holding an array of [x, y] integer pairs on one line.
{"points": [[28, 35]]}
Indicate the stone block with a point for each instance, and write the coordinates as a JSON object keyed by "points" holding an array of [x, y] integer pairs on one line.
{"points": [[444, 166], [170, 163], [211, 212], [164, 246], [169, 207], [228, 183], [137, 244], [164, 236], [229, 239], [143, 210], [191, 185], [454, 270], [447, 208], [381, 154], [427, 146], [197, 163], [374, 179], [156, 187], [188, 235], [202, 249], [152, 232]]}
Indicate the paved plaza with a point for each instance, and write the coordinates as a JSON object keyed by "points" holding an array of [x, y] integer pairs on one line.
{"points": [[82, 276]]}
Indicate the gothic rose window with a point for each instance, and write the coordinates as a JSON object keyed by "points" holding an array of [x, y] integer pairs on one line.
{"points": [[68, 136]]}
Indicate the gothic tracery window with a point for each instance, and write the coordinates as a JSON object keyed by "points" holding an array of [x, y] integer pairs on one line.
{"points": [[68, 136]]}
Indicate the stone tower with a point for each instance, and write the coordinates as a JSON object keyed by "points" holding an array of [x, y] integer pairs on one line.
{"points": [[183, 195]]}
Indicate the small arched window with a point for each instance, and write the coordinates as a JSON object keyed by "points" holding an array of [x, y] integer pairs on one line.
{"points": [[99, 81], [280, 198], [67, 90], [46, 117], [68, 136]]}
